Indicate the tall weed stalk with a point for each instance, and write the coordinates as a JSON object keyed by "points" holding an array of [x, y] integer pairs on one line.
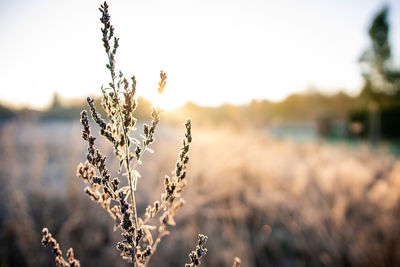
{"points": [[141, 235]]}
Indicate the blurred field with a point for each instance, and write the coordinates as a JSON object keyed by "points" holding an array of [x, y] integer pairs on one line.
{"points": [[271, 202]]}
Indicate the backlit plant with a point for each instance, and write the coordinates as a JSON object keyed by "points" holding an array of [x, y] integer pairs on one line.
{"points": [[139, 238]]}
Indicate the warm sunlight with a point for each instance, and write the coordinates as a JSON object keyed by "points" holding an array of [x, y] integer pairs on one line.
{"points": [[166, 101], [213, 51], [279, 144]]}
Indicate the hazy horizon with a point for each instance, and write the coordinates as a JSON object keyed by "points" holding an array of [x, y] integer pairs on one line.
{"points": [[213, 52]]}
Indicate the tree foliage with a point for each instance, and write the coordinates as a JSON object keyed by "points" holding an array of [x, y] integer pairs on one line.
{"points": [[379, 72]]}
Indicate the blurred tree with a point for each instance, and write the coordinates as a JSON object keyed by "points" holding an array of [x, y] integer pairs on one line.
{"points": [[381, 77], [380, 95], [56, 102], [6, 112]]}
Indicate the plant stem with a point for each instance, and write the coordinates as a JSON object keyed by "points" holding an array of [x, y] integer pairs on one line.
{"points": [[127, 156]]}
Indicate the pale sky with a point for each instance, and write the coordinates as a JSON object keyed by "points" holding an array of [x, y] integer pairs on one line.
{"points": [[213, 51]]}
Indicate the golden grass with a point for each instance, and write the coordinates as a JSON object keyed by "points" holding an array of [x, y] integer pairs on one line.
{"points": [[267, 201]]}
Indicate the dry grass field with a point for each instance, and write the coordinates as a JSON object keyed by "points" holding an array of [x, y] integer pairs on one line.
{"points": [[271, 202]]}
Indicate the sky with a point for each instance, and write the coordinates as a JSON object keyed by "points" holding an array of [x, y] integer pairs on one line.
{"points": [[213, 51]]}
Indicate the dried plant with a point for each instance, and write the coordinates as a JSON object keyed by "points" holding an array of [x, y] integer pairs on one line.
{"points": [[48, 240], [200, 251], [118, 100], [236, 262]]}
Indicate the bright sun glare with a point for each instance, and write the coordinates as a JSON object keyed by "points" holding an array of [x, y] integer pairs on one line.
{"points": [[214, 51], [165, 101]]}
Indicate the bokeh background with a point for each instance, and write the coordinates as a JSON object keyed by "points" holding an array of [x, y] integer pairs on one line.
{"points": [[296, 127]]}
